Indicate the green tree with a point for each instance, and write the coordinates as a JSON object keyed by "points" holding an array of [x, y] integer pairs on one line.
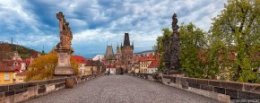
{"points": [[216, 60], [193, 42], [238, 28], [159, 48]]}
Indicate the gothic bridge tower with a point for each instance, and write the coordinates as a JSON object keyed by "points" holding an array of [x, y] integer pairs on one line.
{"points": [[127, 53]]}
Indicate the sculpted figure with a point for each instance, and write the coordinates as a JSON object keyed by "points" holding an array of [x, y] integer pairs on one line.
{"points": [[65, 33]]}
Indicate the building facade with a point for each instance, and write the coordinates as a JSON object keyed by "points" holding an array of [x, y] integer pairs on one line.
{"points": [[127, 52], [148, 62], [122, 60]]}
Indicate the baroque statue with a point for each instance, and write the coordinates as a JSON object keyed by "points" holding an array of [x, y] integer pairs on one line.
{"points": [[63, 48], [65, 33], [175, 49]]}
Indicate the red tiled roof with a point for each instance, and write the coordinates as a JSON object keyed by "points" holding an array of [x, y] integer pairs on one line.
{"points": [[79, 59], [154, 64], [9, 64], [147, 58], [5, 68]]}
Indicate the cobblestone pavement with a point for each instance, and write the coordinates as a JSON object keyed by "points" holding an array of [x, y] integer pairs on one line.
{"points": [[121, 89]]}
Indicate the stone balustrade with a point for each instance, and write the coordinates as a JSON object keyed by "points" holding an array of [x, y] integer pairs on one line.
{"points": [[14, 93], [224, 91]]}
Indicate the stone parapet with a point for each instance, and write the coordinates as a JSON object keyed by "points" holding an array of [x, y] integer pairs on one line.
{"points": [[20, 92], [223, 91]]}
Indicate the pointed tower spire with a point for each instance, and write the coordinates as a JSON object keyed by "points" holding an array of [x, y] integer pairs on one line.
{"points": [[12, 40], [109, 53], [133, 45], [126, 40], [43, 50], [117, 48]]}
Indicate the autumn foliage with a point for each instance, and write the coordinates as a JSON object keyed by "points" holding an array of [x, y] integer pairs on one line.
{"points": [[42, 68]]}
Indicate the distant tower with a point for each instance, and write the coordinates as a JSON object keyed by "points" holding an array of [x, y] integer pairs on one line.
{"points": [[126, 40], [12, 40], [109, 53], [127, 53], [43, 50], [118, 50]]}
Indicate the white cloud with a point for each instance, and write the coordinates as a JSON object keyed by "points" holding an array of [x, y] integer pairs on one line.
{"points": [[97, 23], [13, 12]]}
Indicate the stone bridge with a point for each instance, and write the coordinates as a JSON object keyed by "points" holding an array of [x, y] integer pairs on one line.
{"points": [[135, 88], [121, 89]]}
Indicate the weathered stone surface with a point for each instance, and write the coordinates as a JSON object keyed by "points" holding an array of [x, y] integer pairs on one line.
{"points": [[194, 85], [69, 83], [63, 48], [232, 85], [3, 88], [202, 82], [121, 89], [219, 90], [175, 45], [252, 87], [41, 89], [207, 87], [192, 80], [214, 83], [65, 32], [248, 95], [232, 93]]}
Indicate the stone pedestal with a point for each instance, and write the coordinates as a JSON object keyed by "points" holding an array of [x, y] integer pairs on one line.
{"points": [[63, 67]]}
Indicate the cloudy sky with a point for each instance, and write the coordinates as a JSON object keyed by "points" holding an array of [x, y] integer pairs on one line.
{"points": [[97, 23]]}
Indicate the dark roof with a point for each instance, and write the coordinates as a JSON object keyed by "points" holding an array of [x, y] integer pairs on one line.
{"points": [[145, 52], [109, 53], [126, 40]]}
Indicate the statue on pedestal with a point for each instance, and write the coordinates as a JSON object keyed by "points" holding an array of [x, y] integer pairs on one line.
{"points": [[63, 48], [172, 49], [175, 48]]}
